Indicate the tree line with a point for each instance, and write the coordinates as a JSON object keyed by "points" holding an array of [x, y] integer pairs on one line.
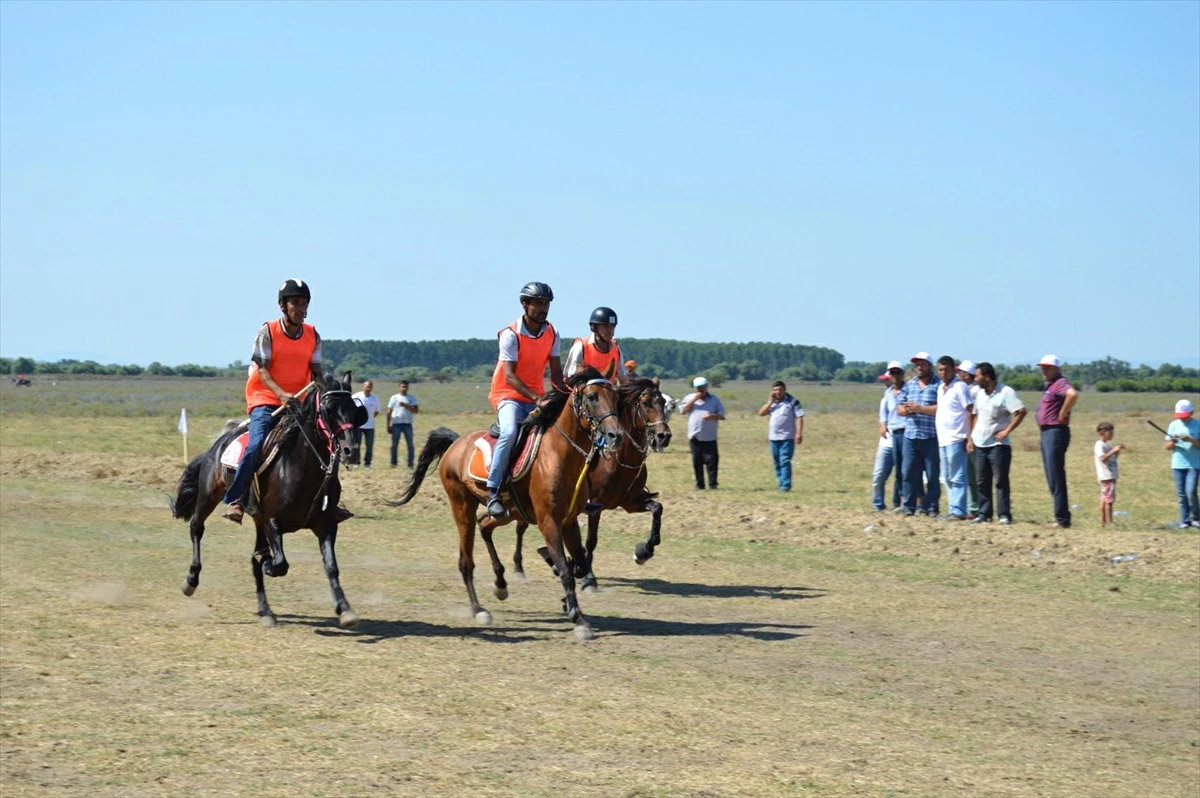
{"points": [[474, 359]]}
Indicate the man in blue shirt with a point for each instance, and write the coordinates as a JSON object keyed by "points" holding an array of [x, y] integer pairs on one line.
{"points": [[917, 403], [889, 454]]}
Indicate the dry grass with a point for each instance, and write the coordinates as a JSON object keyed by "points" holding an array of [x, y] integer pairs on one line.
{"points": [[774, 647]]}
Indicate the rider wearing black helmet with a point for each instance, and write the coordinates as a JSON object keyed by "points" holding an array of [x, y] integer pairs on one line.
{"points": [[599, 350], [526, 347], [286, 356]]}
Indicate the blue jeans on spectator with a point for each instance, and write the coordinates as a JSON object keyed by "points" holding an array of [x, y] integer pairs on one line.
{"points": [[406, 431], [261, 422], [885, 464], [1055, 441], [954, 465], [781, 454], [1185, 489], [368, 438], [921, 455], [993, 461], [509, 415]]}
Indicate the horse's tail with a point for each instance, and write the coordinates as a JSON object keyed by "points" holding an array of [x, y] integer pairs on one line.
{"points": [[184, 503], [435, 446]]}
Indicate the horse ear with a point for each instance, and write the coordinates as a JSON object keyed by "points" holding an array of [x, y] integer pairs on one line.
{"points": [[610, 370], [346, 381], [655, 381]]}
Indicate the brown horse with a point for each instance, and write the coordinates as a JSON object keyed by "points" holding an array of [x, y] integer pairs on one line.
{"points": [[300, 490], [620, 481], [577, 427]]}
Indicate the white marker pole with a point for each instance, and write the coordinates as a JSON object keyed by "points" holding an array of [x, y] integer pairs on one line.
{"points": [[183, 430]]}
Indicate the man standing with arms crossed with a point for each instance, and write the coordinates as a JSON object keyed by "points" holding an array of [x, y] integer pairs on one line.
{"points": [[400, 411], [1054, 419]]}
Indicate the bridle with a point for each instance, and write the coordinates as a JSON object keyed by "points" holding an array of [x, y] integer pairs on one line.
{"points": [[325, 428], [593, 423], [639, 414]]}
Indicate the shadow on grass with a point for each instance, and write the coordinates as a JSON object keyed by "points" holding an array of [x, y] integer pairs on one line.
{"points": [[657, 627], [374, 631], [662, 587]]}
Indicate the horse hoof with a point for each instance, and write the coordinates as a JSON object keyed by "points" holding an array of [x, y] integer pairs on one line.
{"points": [[500, 592], [573, 614], [584, 632], [642, 553], [268, 620], [591, 589], [520, 576], [187, 589], [348, 619], [483, 618]]}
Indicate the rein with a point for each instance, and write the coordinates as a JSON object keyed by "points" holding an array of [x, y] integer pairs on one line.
{"points": [[593, 428], [323, 426]]}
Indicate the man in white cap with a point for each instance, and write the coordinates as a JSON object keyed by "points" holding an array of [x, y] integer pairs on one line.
{"points": [[1183, 442], [966, 373], [703, 410], [889, 454], [1054, 419], [917, 402]]}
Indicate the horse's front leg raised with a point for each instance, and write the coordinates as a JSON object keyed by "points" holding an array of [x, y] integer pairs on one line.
{"points": [[555, 538], [645, 550], [276, 564], [326, 537], [192, 580], [500, 590]]}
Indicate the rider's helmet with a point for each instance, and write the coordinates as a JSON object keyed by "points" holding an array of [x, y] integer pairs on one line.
{"points": [[294, 287], [602, 315], [536, 291]]}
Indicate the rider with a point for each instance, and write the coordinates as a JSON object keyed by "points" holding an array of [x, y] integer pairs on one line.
{"points": [[287, 355], [526, 346], [599, 350]]}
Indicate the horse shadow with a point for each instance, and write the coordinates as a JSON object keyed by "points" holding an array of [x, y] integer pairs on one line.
{"points": [[658, 627], [370, 632], [692, 589]]}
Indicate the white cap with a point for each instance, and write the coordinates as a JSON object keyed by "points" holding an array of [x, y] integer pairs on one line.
{"points": [[1183, 408], [895, 364], [922, 356], [967, 366], [698, 382], [1050, 360]]}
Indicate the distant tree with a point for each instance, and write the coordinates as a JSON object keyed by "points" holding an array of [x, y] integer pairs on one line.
{"points": [[730, 370], [24, 365], [132, 370], [159, 370], [716, 377], [753, 370]]}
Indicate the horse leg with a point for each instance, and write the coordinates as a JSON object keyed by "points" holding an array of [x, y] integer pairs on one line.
{"points": [[204, 507], [588, 583], [256, 566], [464, 505], [500, 590], [554, 543], [278, 565], [644, 551], [326, 538], [518, 562]]}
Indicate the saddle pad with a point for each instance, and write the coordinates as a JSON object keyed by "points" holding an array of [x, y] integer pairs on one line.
{"points": [[481, 458], [233, 453], [235, 450]]}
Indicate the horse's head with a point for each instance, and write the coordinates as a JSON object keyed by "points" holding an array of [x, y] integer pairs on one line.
{"points": [[340, 412], [594, 400], [643, 407]]}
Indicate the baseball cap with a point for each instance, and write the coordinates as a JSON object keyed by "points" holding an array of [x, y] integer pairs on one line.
{"points": [[919, 356], [967, 366], [895, 364], [630, 364], [885, 376], [699, 382], [1183, 408], [1050, 360]]}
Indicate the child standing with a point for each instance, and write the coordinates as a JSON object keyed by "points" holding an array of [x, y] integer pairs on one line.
{"points": [[1183, 441], [1105, 454]]}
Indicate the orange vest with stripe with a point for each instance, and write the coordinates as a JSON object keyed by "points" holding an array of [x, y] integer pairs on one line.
{"points": [[601, 361], [532, 356], [290, 366]]}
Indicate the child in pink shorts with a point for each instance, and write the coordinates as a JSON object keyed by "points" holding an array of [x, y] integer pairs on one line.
{"points": [[1105, 455]]}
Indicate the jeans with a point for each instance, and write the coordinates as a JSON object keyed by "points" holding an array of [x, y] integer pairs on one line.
{"points": [[1055, 441], [1185, 489], [704, 455], [261, 422], [781, 455], [921, 455], [368, 438], [886, 463], [972, 487], [954, 464], [509, 415], [407, 432], [993, 461]]}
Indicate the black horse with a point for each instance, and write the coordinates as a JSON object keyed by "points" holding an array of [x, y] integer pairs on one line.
{"points": [[299, 490]]}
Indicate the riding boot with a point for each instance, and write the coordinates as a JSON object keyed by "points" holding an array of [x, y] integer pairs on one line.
{"points": [[495, 507]]}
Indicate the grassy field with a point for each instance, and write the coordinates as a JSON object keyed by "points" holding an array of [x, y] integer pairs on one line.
{"points": [[778, 645]]}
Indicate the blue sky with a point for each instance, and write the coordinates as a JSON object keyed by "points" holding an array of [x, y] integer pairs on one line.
{"points": [[989, 180]]}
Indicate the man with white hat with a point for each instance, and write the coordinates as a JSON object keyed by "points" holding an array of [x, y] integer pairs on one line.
{"points": [[1183, 442], [703, 410], [917, 402], [1054, 419], [966, 373], [889, 454]]}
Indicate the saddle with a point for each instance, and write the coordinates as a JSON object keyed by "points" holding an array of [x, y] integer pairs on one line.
{"points": [[235, 450], [525, 449]]}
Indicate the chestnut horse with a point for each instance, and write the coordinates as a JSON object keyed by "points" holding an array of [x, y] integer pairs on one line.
{"points": [[620, 481], [300, 489], [577, 427]]}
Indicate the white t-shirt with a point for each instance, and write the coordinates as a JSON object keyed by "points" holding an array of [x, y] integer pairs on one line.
{"points": [[953, 412], [994, 412], [372, 404], [1105, 470], [399, 404]]}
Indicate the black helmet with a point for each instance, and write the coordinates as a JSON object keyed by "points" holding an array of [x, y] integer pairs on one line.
{"points": [[294, 287], [603, 315], [536, 291]]}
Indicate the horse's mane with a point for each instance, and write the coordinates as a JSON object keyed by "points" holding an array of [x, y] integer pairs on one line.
{"points": [[554, 401], [631, 389], [291, 424]]}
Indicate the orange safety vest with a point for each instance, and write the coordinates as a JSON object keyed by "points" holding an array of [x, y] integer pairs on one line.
{"points": [[532, 356], [601, 361], [290, 365]]}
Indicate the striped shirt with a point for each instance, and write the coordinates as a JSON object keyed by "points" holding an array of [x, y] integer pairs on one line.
{"points": [[1052, 403], [919, 426]]}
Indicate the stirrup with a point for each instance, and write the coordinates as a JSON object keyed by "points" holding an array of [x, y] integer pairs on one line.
{"points": [[235, 513], [495, 507]]}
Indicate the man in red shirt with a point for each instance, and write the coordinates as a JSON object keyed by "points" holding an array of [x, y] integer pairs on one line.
{"points": [[1053, 419]]}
